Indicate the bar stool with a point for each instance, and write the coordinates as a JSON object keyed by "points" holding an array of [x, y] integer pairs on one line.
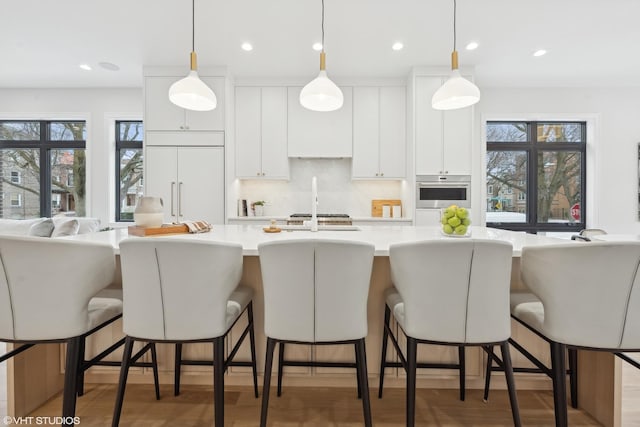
{"points": [[47, 290], [315, 292], [448, 292], [582, 297], [179, 291]]}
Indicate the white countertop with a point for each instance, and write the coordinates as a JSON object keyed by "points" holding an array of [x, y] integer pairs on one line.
{"points": [[616, 238], [249, 236]]}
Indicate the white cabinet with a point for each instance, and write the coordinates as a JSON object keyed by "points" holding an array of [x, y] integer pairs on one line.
{"points": [[162, 114], [428, 217], [190, 181], [319, 134], [379, 132], [443, 138], [261, 132]]}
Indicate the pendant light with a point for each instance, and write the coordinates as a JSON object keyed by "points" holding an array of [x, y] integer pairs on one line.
{"points": [[321, 94], [192, 93], [456, 92]]}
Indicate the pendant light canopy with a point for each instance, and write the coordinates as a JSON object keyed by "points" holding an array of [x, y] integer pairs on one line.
{"points": [[192, 93], [456, 92], [321, 94]]}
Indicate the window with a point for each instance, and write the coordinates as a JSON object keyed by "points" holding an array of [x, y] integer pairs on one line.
{"points": [[544, 165], [16, 200], [40, 155], [129, 167]]}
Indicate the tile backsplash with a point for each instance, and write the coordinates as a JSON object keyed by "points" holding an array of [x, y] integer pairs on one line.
{"points": [[337, 192]]}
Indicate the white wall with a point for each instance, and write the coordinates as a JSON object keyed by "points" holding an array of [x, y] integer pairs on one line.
{"points": [[99, 107], [612, 169], [337, 193]]}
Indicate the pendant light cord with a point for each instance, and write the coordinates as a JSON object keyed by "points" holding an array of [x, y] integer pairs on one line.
{"points": [[193, 25], [323, 25], [454, 25]]}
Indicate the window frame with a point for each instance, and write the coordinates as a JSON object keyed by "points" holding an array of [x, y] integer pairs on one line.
{"points": [[45, 144], [533, 148], [124, 145]]}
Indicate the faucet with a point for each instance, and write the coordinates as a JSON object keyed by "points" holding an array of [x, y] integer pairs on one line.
{"points": [[314, 204]]}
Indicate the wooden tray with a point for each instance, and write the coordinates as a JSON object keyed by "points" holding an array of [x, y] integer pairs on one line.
{"points": [[376, 205], [155, 231]]}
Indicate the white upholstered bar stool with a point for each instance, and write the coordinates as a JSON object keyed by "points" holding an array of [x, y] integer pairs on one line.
{"points": [[315, 292], [582, 297], [179, 291], [448, 292], [46, 296]]}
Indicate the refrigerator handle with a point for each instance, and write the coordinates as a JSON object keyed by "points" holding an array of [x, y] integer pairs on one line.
{"points": [[180, 199], [173, 185]]}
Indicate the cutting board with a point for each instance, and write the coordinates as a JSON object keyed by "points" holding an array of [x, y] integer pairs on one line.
{"points": [[376, 205], [155, 231]]}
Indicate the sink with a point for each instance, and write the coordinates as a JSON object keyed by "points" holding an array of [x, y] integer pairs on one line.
{"points": [[320, 228]]}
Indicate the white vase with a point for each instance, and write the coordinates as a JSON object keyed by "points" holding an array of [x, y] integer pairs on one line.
{"points": [[259, 210], [148, 212]]}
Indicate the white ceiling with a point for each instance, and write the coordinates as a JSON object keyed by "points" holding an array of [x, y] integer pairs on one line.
{"points": [[590, 42]]}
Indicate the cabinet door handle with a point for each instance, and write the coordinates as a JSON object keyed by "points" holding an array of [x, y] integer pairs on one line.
{"points": [[377, 174], [382, 174], [179, 199], [258, 173], [173, 185]]}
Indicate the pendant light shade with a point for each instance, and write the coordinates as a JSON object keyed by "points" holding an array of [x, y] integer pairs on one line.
{"points": [[321, 94], [191, 93], [456, 92]]}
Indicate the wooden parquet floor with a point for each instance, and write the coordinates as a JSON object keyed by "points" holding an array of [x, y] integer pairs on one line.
{"points": [[306, 407]]}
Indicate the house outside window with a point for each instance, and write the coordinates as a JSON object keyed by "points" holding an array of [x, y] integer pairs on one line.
{"points": [[36, 156], [544, 165], [129, 168]]}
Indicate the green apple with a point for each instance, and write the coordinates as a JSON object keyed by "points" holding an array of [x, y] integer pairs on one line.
{"points": [[444, 220], [460, 230], [454, 221], [447, 229], [462, 213], [449, 212], [466, 221]]}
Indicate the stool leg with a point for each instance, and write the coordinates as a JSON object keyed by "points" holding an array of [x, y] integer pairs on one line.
{"points": [[573, 376], [511, 385], [122, 383], [559, 376], [355, 345], [363, 380], [280, 368], [411, 381], [154, 363], [268, 365], [462, 374], [218, 381], [252, 342], [71, 380], [81, 367], [385, 341], [177, 367], [487, 376]]}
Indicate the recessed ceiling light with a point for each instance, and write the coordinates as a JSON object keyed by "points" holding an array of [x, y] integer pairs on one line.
{"points": [[317, 47], [246, 46], [109, 66], [472, 46], [85, 67], [397, 46], [539, 52]]}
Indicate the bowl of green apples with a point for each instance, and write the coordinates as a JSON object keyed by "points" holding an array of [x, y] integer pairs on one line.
{"points": [[455, 222]]}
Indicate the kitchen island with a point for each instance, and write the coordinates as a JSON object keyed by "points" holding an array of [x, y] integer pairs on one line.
{"points": [[599, 373]]}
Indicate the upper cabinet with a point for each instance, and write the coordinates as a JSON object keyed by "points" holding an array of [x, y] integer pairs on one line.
{"points": [[319, 134], [261, 132], [443, 138], [379, 132], [161, 114]]}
